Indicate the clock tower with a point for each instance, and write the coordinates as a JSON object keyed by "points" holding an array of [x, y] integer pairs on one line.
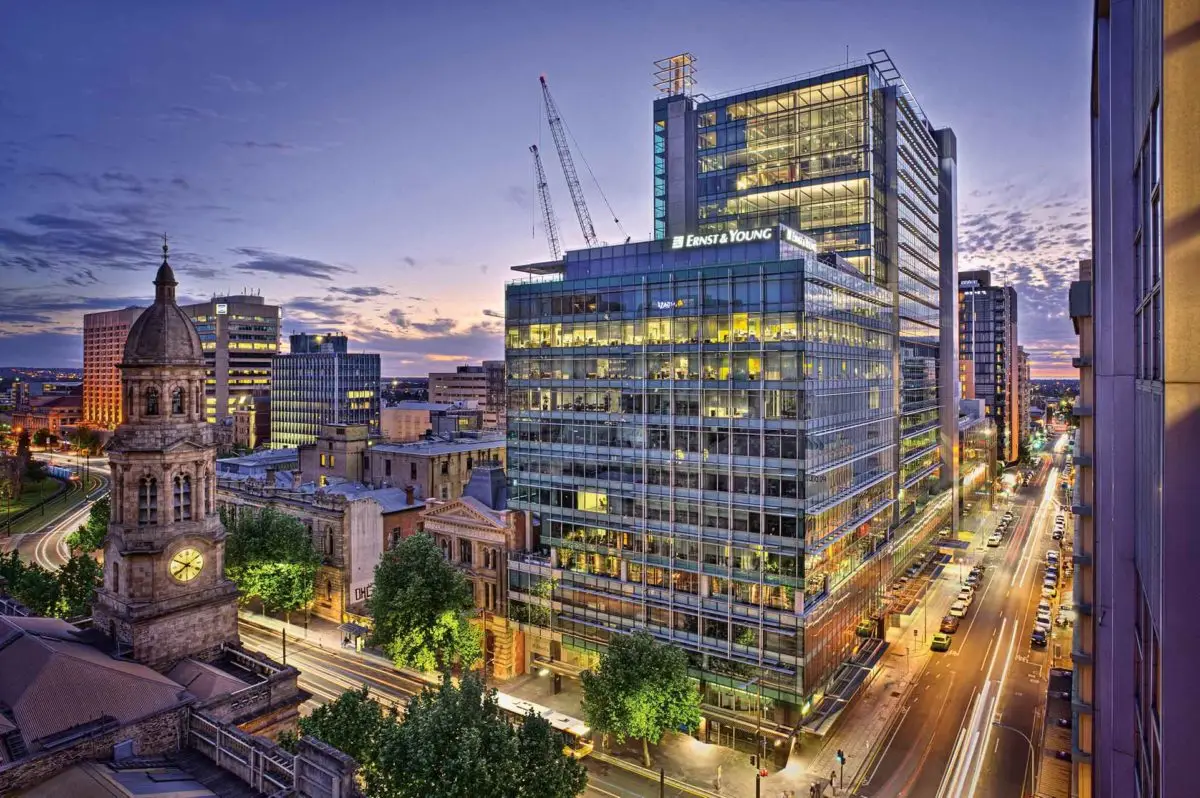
{"points": [[165, 596]]}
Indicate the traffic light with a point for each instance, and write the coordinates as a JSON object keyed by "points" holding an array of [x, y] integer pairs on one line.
{"points": [[841, 757], [753, 760]]}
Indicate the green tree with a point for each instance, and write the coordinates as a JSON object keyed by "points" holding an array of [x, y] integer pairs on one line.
{"points": [[41, 437], [90, 536], [641, 689], [77, 583], [452, 742], [30, 584], [420, 605], [455, 742], [23, 445], [270, 556], [85, 439], [353, 723], [542, 770]]}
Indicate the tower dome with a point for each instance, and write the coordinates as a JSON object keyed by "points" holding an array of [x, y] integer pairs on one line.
{"points": [[163, 334]]}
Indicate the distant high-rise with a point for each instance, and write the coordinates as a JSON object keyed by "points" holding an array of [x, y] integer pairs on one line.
{"points": [[1138, 497], [987, 317], [240, 335], [104, 336], [477, 387], [307, 344], [321, 383], [1024, 389]]}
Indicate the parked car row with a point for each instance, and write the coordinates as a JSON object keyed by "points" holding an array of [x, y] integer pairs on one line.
{"points": [[1060, 525]]}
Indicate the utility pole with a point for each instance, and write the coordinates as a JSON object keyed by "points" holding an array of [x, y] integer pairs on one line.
{"points": [[841, 758], [283, 632]]}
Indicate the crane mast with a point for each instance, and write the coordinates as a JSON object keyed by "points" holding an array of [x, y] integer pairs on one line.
{"points": [[568, 165], [543, 192]]}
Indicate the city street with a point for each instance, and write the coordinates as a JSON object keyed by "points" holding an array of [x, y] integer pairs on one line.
{"points": [[47, 546], [328, 672], [944, 743]]}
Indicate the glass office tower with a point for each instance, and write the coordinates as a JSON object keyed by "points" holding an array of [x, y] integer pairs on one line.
{"points": [[321, 383], [848, 157], [705, 426]]}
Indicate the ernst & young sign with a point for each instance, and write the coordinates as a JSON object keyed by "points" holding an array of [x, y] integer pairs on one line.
{"points": [[718, 239]]}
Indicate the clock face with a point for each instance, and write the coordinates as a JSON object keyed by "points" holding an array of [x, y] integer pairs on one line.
{"points": [[186, 564]]}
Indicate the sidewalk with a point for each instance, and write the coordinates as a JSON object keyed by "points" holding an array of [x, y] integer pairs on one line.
{"points": [[873, 712]]}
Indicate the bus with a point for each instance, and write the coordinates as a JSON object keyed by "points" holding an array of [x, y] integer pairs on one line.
{"points": [[577, 738]]}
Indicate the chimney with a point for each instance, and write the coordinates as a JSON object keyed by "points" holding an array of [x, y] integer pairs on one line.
{"points": [[408, 494]]}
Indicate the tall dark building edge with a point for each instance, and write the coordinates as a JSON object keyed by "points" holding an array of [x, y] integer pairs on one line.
{"points": [[1136, 701]]}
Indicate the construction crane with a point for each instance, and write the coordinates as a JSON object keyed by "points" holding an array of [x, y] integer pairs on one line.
{"points": [[543, 192], [568, 165]]}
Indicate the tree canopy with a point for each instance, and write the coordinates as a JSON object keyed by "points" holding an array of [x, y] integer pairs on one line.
{"points": [[90, 535], [640, 690], [452, 742], [23, 445], [270, 556], [420, 605], [85, 439], [65, 593], [41, 437]]}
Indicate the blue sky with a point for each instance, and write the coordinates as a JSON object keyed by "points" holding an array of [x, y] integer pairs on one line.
{"points": [[365, 164]]}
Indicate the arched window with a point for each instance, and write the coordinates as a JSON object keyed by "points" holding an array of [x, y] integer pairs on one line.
{"points": [[328, 590], [177, 401], [182, 503], [187, 498], [147, 501], [129, 405], [328, 541], [116, 578], [152, 401]]}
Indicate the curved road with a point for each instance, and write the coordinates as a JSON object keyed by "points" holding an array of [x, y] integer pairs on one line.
{"points": [[48, 546]]}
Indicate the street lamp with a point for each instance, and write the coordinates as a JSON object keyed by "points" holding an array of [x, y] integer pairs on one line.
{"points": [[1032, 755]]}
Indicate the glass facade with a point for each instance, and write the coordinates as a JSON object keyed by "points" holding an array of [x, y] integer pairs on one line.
{"points": [[988, 338], [848, 158], [709, 438], [322, 388]]}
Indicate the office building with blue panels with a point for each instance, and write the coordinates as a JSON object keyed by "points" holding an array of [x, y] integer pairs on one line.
{"points": [[706, 428], [848, 157]]}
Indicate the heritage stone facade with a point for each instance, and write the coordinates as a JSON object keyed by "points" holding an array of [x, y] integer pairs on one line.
{"points": [[165, 596]]}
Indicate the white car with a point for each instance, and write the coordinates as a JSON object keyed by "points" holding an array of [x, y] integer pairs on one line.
{"points": [[967, 595], [1043, 606], [1049, 592], [958, 609], [994, 540], [1043, 617]]}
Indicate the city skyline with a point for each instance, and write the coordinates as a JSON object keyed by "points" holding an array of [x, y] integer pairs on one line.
{"points": [[264, 163]]}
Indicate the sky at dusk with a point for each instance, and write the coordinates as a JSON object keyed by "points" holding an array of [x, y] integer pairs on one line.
{"points": [[366, 164]]}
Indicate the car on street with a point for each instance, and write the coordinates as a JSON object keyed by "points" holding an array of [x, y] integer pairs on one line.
{"points": [[940, 642], [1043, 617], [972, 580], [1038, 638], [1049, 592], [1043, 606], [994, 540], [966, 594], [958, 609], [1058, 535], [949, 624]]}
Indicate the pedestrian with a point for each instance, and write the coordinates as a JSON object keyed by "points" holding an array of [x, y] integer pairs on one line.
{"points": [[718, 778]]}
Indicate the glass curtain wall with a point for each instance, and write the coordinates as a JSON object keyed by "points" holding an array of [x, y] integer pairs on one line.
{"points": [[710, 453]]}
